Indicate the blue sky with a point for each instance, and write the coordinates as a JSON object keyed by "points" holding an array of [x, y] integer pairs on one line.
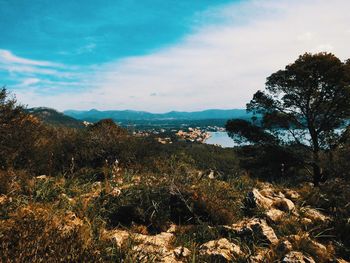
{"points": [[89, 31], [158, 55]]}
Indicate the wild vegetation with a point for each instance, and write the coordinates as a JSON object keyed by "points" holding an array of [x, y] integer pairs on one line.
{"points": [[99, 194]]}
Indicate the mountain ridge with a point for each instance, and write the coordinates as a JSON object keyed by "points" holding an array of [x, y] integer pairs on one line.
{"points": [[94, 115]]}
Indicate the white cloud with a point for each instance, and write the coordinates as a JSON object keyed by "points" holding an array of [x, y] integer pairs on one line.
{"points": [[27, 67], [7, 57], [42, 80], [219, 66], [29, 82]]}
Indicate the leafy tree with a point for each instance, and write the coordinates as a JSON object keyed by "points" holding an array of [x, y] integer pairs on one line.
{"points": [[19, 133], [310, 98], [100, 142]]}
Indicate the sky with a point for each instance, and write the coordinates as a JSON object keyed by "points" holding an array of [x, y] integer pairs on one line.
{"points": [[159, 55]]}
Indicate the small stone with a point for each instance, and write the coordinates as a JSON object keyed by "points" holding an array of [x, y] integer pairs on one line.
{"points": [[297, 257], [42, 177], [3, 199], [116, 192], [172, 228], [211, 175], [181, 252]]}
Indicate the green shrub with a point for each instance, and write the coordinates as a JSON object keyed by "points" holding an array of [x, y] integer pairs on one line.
{"points": [[32, 235], [46, 190]]}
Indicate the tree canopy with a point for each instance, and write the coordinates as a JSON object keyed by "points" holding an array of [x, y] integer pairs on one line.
{"points": [[310, 98]]}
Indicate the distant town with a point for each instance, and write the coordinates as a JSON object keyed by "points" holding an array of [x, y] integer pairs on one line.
{"points": [[167, 136]]}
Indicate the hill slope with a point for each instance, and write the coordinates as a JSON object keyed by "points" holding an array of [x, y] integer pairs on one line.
{"points": [[55, 118]]}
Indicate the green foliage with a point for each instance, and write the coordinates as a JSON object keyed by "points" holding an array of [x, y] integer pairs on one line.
{"points": [[311, 95], [314, 94], [193, 235], [241, 129], [272, 162], [19, 133]]}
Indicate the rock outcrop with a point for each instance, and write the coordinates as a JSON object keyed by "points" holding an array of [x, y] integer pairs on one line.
{"points": [[257, 199], [318, 250], [277, 206], [268, 199], [255, 226], [220, 250], [314, 215], [159, 246]]}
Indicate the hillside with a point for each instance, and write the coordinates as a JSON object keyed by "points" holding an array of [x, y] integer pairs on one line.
{"points": [[55, 118], [101, 194]]}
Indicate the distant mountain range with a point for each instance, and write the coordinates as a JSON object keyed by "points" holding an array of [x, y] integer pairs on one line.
{"points": [[139, 119], [130, 115]]}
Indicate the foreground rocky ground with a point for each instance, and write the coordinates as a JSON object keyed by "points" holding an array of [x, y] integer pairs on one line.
{"points": [[278, 209], [217, 221]]}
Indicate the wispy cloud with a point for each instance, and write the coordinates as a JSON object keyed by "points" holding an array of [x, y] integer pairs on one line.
{"points": [[29, 82], [25, 69], [16, 64], [7, 57], [42, 78]]}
